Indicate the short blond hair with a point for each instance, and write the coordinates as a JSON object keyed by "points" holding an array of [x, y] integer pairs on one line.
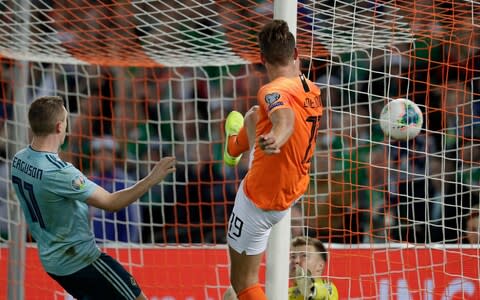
{"points": [[317, 244], [44, 113]]}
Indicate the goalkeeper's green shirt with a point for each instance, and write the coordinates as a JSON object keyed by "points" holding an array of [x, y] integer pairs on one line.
{"points": [[325, 290]]}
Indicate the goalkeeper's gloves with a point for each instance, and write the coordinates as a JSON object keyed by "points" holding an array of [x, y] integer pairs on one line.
{"points": [[305, 283]]}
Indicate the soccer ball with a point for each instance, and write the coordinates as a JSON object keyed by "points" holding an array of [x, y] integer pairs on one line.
{"points": [[401, 119]]}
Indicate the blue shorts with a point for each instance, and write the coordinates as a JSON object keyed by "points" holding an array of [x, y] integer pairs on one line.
{"points": [[105, 279]]}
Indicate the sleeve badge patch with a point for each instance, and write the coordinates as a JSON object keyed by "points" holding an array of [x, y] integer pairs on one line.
{"points": [[271, 98], [78, 182]]}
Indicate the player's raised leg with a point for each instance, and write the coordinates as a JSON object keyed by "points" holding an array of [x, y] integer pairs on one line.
{"points": [[239, 134], [247, 237], [236, 139]]}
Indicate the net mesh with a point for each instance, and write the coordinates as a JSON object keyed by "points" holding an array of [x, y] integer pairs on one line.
{"points": [[145, 79]]}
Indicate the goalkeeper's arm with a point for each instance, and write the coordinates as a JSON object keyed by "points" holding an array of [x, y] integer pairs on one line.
{"points": [[307, 287], [304, 285], [324, 290]]}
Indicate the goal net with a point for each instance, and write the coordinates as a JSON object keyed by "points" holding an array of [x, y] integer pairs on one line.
{"points": [[144, 79]]}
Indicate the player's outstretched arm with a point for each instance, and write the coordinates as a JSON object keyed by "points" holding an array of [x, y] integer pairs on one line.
{"points": [[283, 121], [103, 199]]}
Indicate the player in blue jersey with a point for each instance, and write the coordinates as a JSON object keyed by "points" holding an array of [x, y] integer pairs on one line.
{"points": [[55, 196]]}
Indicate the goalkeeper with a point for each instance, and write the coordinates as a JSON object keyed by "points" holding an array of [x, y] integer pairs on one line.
{"points": [[305, 254], [308, 258]]}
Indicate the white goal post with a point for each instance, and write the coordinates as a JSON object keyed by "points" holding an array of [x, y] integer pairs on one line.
{"points": [[278, 250]]}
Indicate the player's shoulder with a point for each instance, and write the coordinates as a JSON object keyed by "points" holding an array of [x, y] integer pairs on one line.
{"points": [[22, 153], [29, 159], [313, 86], [280, 85], [47, 161], [290, 85], [274, 90], [55, 162]]}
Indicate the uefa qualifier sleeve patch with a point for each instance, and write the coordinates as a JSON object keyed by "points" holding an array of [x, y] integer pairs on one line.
{"points": [[272, 100], [78, 182]]}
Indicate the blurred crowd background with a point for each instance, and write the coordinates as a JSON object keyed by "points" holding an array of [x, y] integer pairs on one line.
{"points": [[364, 188]]}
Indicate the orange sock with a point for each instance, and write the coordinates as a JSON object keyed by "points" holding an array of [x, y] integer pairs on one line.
{"points": [[254, 292], [237, 144]]}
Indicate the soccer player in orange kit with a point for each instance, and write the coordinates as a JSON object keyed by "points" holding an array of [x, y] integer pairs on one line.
{"points": [[285, 126]]}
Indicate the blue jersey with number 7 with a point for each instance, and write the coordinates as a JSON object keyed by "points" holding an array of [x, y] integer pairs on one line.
{"points": [[53, 194]]}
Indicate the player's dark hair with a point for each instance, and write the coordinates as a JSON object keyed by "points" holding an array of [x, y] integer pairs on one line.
{"points": [[44, 113], [277, 43], [317, 244]]}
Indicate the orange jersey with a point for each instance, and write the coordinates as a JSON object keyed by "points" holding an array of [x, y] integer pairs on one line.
{"points": [[273, 182]]}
